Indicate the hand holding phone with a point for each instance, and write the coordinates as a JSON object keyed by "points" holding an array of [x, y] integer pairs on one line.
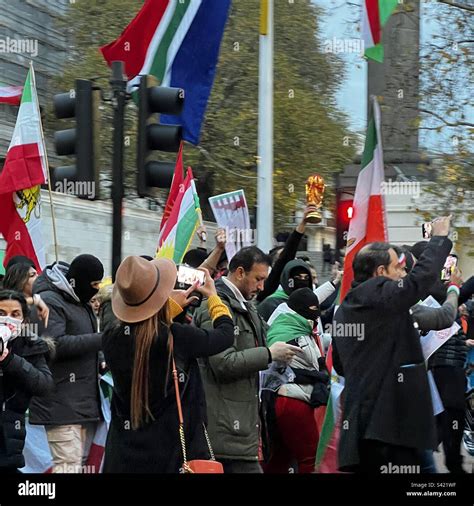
{"points": [[426, 230], [208, 288], [188, 276], [449, 266]]}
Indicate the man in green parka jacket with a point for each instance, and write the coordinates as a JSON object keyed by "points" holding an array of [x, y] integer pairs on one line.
{"points": [[231, 378]]}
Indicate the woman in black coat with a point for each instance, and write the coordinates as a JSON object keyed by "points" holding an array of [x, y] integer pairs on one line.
{"points": [[144, 432], [23, 374]]}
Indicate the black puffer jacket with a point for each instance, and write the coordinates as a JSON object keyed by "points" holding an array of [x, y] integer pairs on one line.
{"points": [[72, 325], [453, 353], [23, 373]]}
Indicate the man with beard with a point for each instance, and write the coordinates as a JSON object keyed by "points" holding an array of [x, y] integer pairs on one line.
{"points": [[387, 414], [70, 413], [231, 378]]}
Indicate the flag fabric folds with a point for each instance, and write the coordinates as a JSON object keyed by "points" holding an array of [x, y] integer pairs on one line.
{"points": [[368, 223], [176, 188], [177, 233], [178, 42], [37, 454], [10, 94], [25, 169], [375, 14]]}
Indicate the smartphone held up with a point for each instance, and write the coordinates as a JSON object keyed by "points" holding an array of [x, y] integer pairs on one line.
{"points": [[187, 277], [449, 266]]}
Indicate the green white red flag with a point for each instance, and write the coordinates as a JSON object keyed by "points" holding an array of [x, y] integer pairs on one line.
{"points": [[375, 14], [24, 170], [177, 233], [368, 223]]}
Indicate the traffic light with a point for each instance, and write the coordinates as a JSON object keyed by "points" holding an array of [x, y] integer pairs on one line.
{"points": [[154, 136], [344, 214], [83, 141]]}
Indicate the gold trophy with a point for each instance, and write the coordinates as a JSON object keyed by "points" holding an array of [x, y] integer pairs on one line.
{"points": [[314, 197]]}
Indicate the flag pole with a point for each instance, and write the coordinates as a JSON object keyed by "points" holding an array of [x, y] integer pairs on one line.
{"points": [[53, 216], [265, 128]]}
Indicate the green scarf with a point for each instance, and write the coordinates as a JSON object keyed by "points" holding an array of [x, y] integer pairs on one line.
{"points": [[288, 326], [280, 293]]}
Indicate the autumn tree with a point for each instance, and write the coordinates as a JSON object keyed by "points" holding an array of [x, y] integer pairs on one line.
{"points": [[310, 133]]}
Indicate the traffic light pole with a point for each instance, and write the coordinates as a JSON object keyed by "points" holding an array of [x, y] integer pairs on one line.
{"points": [[119, 84]]}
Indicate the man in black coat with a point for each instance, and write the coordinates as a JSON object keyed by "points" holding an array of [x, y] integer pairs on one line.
{"points": [[387, 414], [71, 412]]}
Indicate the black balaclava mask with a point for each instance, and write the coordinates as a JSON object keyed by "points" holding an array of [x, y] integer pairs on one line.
{"points": [[299, 283], [85, 269], [301, 301]]}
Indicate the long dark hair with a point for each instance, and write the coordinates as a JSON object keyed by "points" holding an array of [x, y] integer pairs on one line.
{"points": [[144, 336], [16, 277], [19, 297]]}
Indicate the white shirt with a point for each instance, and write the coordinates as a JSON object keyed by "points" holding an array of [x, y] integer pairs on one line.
{"points": [[236, 292]]}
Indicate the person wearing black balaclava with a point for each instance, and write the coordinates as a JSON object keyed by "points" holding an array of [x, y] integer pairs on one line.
{"points": [[295, 275], [70, 414], [290, 414]]}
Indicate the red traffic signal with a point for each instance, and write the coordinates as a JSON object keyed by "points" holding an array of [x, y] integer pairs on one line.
{"points": [[345, 211]]}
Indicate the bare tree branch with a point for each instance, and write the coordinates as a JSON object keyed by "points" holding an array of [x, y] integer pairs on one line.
{"points": [[458, 5], [447, 123]]}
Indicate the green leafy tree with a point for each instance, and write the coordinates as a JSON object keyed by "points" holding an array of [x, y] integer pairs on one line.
{"points": [[310, 134]]}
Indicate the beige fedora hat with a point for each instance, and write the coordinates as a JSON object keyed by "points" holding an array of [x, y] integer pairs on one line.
{"points": [[142, 287]]}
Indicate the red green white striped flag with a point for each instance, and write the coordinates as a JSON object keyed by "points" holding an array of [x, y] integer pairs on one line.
{"points": [[177, 233], [10, 94], [25, 169], [375, 14], [326, 455], [176, 186]]}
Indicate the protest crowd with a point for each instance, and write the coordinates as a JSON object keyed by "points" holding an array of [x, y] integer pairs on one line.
{"points": [[240, 370]]}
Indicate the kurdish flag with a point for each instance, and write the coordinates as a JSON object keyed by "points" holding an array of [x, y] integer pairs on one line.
{"points": [[178, 42], [177, 234], [10, 94], [375, 14], [176, 187], [368, 223], [25, 169]]}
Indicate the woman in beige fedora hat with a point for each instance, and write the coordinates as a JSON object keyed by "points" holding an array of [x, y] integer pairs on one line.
{"points": [[144, 431]]}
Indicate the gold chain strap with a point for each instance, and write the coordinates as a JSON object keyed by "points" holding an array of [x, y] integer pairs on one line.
{"points": [[208, 443], [182, 439], [186, 467]]}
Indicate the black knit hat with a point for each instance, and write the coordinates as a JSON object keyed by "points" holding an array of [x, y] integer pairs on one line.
{"points": [[83, 270]]}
